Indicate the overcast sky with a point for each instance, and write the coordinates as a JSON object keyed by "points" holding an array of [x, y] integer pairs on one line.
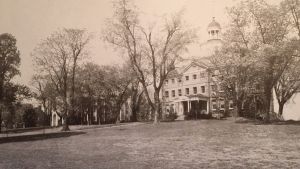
{"points": [[32, 20]]}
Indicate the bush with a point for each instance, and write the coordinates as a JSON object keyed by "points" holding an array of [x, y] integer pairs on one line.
{"points": [[30, 117], [171, 116]]}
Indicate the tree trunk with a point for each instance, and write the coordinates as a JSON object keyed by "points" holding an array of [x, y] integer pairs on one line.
{"points": [[136, 106], [280, 110], [156, 106], [134, 114], [1, 105], [268, 104], [0, 120], [66, 114], [66, 123]]}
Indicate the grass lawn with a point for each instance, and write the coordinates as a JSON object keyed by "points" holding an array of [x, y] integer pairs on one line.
{"points": [[183, 144]]}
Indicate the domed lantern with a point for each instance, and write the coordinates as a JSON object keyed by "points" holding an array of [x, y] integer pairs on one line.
{"points": [[214, 30]]}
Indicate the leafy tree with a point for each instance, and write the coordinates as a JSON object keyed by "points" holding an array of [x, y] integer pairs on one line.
{"points": [[107, 84], [256, 45], [9, 63], [289, 82], [292, 8], [30, 117]]}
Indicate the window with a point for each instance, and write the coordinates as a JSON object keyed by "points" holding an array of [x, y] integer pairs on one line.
{"points": [[166, 93], [187, 91], [173, 80], [230, 104], [214, 104], [195, 77], [257, 86], [202, 75], [166, 82], [203, 89], [173, 93], [195, 90], [213, 88], [186, 78], [179, 80], [222, 88], [179, 92], [222, 104], [215, 73]]}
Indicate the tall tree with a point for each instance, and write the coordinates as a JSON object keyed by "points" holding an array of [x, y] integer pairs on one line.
{"points": [[288, 84], [44, 91], [292, 7], [257, 35], [9, 64], [152, 52], [57, 57], [110, 84]]}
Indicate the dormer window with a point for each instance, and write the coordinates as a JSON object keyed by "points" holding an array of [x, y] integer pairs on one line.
{"points": [[195, 77], [166, 82]]}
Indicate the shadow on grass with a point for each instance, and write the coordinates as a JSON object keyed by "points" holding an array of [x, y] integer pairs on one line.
{"points": [[37, 137], [260, 122]]}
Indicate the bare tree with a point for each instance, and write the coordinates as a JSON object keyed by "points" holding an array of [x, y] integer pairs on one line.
{"points": [[44, 91], [152, 52], [57, 58]]}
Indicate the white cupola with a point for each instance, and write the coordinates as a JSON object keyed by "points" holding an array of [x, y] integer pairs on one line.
{"points": [[214, 30]]}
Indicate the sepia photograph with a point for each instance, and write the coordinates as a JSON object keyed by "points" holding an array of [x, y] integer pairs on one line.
{"points": [[149, 84]]}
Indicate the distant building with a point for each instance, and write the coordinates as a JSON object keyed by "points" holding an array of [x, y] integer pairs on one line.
{"points": [[192, 89]]}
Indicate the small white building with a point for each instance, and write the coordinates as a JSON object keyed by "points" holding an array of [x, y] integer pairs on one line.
{"points": [[291, 110], [55, 119]]}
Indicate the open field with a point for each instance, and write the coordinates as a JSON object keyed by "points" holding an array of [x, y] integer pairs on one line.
{"points": [[183, 144]]}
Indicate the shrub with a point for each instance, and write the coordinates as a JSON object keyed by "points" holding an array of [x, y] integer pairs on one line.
{"points": [[30, 118], [172, 116]]}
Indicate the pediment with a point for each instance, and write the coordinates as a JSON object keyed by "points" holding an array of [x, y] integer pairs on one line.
{"points": [[193, 67]]}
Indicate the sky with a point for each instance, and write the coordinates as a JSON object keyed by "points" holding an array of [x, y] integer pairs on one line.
{"points": [[30, 21]]}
